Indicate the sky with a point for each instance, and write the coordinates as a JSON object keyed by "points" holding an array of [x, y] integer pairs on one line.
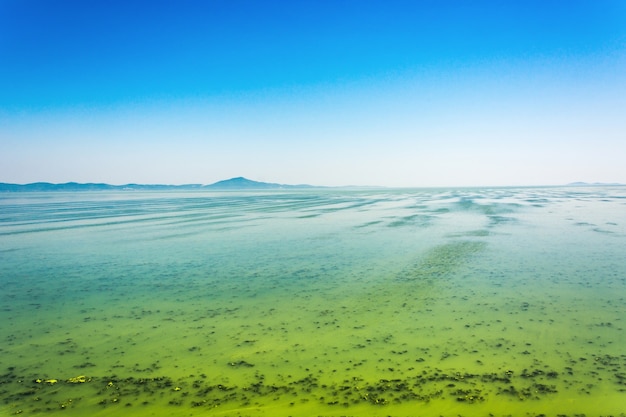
{"points": [[343, 92]]}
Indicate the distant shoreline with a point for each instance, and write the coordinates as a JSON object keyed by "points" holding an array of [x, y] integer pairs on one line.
{"points": [[238, 183]]}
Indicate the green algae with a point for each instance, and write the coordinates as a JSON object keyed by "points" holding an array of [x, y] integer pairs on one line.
{"points": [[201, 391]]}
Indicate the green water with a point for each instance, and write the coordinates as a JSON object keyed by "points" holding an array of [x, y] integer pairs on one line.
{"points": [[468, 302]]}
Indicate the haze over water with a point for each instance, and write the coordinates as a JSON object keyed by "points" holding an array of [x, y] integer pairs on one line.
{"points": [[329, 302]]}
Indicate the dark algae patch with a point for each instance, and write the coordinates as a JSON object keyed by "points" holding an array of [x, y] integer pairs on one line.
{"points": [[441, 261], [25, 395]]}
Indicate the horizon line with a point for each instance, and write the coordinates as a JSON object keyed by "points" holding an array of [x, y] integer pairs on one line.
{"points": [[303, 185]]}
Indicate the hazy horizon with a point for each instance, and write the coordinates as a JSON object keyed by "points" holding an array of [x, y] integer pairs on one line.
{"points": [[395, 94], [205, 184]]}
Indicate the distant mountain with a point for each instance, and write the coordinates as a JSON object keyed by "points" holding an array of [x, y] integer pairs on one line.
{"points": [[587, 184], [46, 186], [241, 183], [238, 183], [75, 186]]}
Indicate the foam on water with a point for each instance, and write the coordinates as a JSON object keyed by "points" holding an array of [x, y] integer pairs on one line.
{"points": [[319, 302]]}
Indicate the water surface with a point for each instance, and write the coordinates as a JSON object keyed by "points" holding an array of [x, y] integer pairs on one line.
{"points": [[430, 302]]}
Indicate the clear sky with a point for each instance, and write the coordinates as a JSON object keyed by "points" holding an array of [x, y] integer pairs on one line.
{"points": [[395, 93]]}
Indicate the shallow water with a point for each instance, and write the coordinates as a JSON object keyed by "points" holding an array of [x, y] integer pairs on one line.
{"points": [[430, 302]]}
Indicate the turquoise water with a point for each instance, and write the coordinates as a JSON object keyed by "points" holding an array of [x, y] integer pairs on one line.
{"points": [[323, 302]]}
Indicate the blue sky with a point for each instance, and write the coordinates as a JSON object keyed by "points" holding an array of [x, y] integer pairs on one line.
{"points": [[396, 93]]}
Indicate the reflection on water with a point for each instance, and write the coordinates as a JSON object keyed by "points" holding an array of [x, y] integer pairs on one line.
{"points": [[505, 301]]}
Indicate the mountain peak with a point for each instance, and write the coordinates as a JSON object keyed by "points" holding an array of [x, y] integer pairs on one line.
{"points": [[241, 182]]}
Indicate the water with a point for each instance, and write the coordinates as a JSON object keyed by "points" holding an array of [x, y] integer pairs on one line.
{"points": [[432, 302]]}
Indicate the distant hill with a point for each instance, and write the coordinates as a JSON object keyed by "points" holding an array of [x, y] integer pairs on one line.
{"points": [[239, 183], [588, 184], [46, 186], [244, 183], [75, 186]]}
